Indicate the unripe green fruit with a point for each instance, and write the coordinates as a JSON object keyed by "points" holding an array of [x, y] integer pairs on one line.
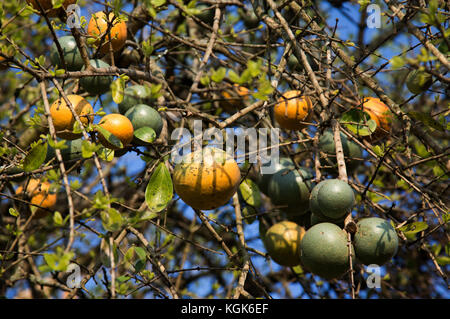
{"points": [[134, 95], [289, 189], [143, 115], [324, 251], [72, 56], [264, 179], [351, 150], [96, 84], [71, 153], [335, 198], [418, 81], [282, 242], [376, 241]]}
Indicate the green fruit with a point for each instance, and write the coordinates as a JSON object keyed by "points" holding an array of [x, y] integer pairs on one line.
{"points": [[71, 153], [289, 189], [134, 95], [282, 242], [143, 115], [335, 198], [376, 241], [264, 179], [351, 150], [324, 251], [418, 81], [72, 56], [96, 84], [205, 14]]}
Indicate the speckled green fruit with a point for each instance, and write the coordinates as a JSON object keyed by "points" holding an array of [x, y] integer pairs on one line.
{"points": [[71, 153], [324, 251], [376, 241], [264, 179], [282, 242], [72, 56], [96, 84], [290, 190], [206, 14], [134, 95], [352, 152], [316, 214], [335, 198], [418, 81], [143, 115]]}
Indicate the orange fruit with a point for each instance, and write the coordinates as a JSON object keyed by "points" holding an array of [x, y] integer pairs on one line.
{"points": [[119, 126], [98, 25], [380, 113], [292, 109], [63, 119], [206, 179], [3, 66], [235, 98], [48, 6], [40, 195]]}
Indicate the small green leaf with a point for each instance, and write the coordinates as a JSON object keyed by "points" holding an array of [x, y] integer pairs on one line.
{"points": [[414, 228], [145, 134], [109, 136], [35, 157], [359, 122], [234, 77], [112, 220], [57, 219], [117, 90], [397, 62], [105, 154], [219, 75], [250, 192], [13, 212], [159, 190]]}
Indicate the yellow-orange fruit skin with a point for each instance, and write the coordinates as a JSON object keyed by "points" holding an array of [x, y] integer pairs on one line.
{"points": [[47, 6], [118, 125], [235, 98], [63, 119], [208, 184], [380, 113], [40, 195], [98, 25], [292, 109]]}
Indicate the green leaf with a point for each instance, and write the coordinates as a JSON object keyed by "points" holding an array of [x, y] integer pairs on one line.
{"points": [[414, 228], [219, 75], [427, 120], [397, 62], [112, 220], [87, 149], [109, 136], [157, 3], [443, 260], [57, 219], [35, 157], [359, 122], [159, 190], [234, 77], [145, 134], [13, 212], [117, 90], [249, 214], [250, 192], [105, 154]]}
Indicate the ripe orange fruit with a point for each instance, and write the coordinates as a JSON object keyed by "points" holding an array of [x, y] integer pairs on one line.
{"points": [[119, 126], [206, 179], [380, 113], [98, 25], [63, 119], [235, 98], [48, 6], [40, 195], [292, 109]]}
